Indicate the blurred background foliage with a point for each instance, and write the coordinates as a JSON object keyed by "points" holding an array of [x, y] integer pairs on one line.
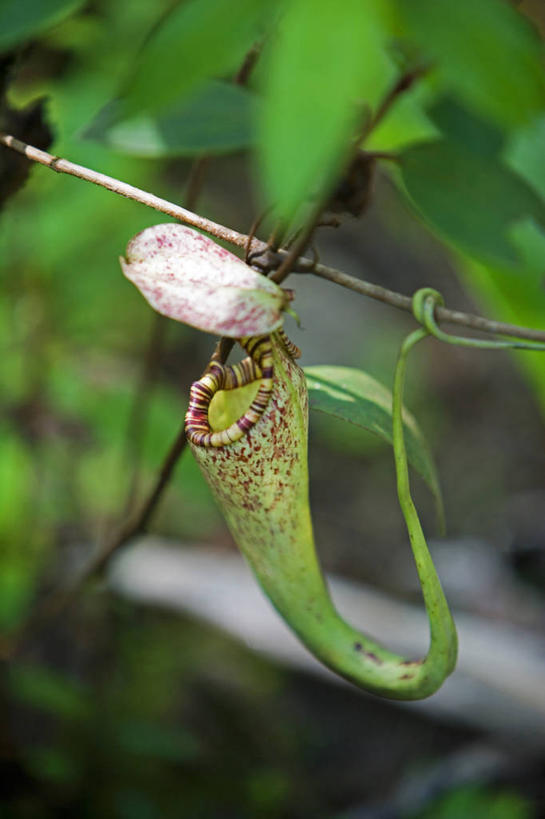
{"points": [[122, 711]]}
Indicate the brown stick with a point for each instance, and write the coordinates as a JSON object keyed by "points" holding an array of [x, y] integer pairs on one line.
{"points": [[303, 265]]}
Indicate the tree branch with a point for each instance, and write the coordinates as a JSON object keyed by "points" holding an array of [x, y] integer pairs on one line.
{"points": [[257, 246]]}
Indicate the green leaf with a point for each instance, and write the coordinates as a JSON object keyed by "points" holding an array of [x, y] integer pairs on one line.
{"points": [[354, 396], [472, 200], [216, 119], [500, 292], [325, 64], [22, 19], [459, 125], [197, 41], [484, 51]]}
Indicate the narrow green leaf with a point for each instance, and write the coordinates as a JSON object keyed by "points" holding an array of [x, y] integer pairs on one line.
{"points": [[216, 119], [485, 51], [354, 396], [198, 40], [22, 19], [325, 65], [472, 200]]}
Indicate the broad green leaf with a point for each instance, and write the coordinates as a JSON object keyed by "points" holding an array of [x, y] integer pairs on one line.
{"points": [[470, 199], [354, 396], [216, 119], [325, 65], [484, 51], [198, 40], [22, 19], [188, 277]]}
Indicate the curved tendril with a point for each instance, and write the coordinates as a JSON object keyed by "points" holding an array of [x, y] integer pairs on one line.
{"points": [[427, 299], [443, 639]]}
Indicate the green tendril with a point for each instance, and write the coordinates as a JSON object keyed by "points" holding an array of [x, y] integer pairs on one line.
{"points": [[425, 302], [442, 653]]}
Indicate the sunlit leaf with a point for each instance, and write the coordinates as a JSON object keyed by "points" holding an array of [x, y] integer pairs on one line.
{"points": [[198, 40], [189, 278], [484, 51], [325, 65], [22, 19], [354, 396], [216, 119]]}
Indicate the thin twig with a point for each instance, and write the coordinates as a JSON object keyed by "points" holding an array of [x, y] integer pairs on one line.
{"points": [[195, 180], [59, 600], [289, 262], [304, 265], [401, 86], [139, 523], [299, 247], [401, 302], [123, 189], [243, 74], [223, 349]]}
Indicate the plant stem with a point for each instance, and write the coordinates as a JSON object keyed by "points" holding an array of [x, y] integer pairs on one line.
{"points": [[303, 265], [123, 189]]}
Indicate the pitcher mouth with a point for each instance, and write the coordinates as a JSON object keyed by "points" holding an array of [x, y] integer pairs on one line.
{"points": [[257, 366]]}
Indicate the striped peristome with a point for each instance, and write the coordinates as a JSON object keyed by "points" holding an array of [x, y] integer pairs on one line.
{"points": [[258, 366]]}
